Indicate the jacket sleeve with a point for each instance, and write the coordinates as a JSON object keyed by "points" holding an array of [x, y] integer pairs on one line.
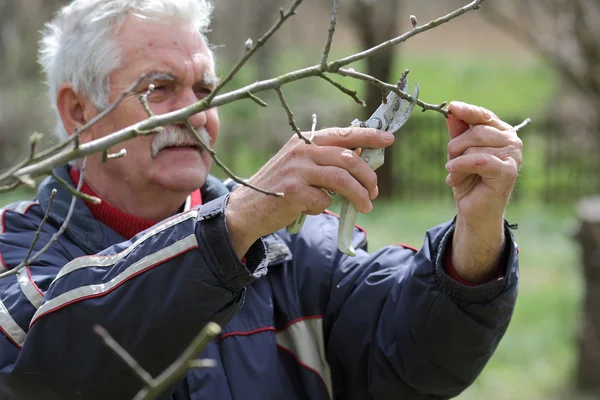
{"points": [[153, 294], [398, 327]]}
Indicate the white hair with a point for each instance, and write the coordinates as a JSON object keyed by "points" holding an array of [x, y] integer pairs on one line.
{"points": [[78, 46]]}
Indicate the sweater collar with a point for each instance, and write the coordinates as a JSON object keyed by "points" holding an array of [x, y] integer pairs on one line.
{"points": [[125, 224]]}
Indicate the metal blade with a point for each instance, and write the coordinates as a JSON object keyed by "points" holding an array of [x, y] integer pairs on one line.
{"points": [[403, 116]]}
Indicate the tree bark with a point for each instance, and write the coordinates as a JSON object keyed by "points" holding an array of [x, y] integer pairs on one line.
{"points": [[588, 237]]}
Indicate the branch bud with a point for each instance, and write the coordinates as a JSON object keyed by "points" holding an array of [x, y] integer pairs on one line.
{"points": [[413, 21], [35, 138], [248, 45]]}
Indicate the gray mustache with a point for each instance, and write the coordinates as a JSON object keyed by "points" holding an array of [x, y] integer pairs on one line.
{"points": [[176, 136]]}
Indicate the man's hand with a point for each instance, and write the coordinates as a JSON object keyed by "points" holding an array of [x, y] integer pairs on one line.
{"points": [[300, 170], [484, 156]]}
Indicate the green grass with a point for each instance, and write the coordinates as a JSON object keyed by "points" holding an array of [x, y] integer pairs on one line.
{"points": [[536, 358]]}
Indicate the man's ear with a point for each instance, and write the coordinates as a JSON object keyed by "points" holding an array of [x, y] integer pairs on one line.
{"points": [[70, 108]]}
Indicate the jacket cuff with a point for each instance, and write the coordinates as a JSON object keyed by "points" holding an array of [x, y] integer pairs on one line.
{"points": [[467, 293], [213, 237]]}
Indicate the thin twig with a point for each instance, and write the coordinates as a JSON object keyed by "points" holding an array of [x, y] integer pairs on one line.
{"points": [[38, 232], [133, 365], [329, 36], [195, 364], [213, 154], [257, 100], [290, 115], [60, 231], [181, 366], [345, 90], [144, 100], [76, 192], [255, 46], [313, 127], [11, 186], [113, 156], [523, 124], [331, 67], [394, 88]]}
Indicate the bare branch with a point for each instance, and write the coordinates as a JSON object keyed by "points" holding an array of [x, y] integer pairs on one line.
{"points": [[39, 229], [144, 100], [229, 173], [330, 36], [523, 124], [75, 192], [351, 93], [11, 186], [250, 52], [393, 88], [181, 366], [290, 115], [147, 126], [133, 365], [113, 156], [257, 100], [313, 127], [332, 67], [194, 364], [60, 231]]}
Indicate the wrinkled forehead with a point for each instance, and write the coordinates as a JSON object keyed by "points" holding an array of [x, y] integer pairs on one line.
{"points": [[171, 37]]}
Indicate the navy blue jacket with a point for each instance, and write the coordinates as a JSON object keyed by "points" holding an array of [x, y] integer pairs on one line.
{"points": [[301, 320]]}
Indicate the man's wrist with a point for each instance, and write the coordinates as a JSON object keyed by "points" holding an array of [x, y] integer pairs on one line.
{"points": [[477, 253], [240, 238]]}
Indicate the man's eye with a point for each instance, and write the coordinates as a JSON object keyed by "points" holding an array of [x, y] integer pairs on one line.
{"points": [[203, 92]]}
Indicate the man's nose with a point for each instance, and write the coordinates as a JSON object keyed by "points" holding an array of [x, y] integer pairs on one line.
{"points": [[188, 98]]}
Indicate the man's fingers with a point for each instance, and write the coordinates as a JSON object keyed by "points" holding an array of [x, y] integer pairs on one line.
{"points": [[475, 115], [350, 161], [339, 181], [316, 201], [483, 136], [456, 126], [484, 164], [351, 138]]}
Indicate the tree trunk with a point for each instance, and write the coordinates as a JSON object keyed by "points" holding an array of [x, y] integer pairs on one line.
{"points": [[376, 22], [588, 236]]}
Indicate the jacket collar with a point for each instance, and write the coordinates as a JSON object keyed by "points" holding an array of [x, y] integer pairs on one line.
{"points": [[93, 236]]}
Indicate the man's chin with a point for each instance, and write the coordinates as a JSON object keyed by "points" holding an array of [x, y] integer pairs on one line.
{"points": [[183, 179]]}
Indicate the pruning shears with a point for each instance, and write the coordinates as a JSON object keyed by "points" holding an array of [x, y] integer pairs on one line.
{"points": [[390, 116]]}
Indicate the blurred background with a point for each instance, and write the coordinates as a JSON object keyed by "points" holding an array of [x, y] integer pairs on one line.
{"points": [[519, 58]]}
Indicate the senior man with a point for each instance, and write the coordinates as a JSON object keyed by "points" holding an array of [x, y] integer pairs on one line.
{"points": [[171, 248]]}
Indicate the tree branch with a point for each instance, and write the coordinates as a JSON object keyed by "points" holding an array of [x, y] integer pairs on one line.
{"points": [[523, 124], [145, 127], [290, 115], [60, 231], [133, 365], [333, 66], [255, 46], [343, 89], [330, 35], [176, 371], [38, 231], [393, 88], [229, 173]]}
